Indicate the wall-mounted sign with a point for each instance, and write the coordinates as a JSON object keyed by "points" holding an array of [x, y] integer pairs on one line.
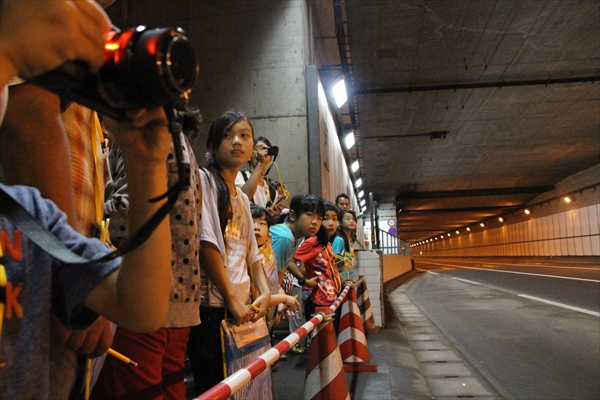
{"points": [[391, 222], [392, 231]]}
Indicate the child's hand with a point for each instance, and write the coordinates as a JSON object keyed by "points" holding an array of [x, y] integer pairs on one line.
{"points": [[262, 302], [240, 312], [312, 282], [291, 302], [39, 37]]}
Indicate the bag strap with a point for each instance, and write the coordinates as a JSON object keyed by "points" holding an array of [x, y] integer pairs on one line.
{"points": [[37, 233]]}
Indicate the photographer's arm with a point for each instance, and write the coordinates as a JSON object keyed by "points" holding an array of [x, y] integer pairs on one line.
{"points": [[136, 296], [34, 149]]}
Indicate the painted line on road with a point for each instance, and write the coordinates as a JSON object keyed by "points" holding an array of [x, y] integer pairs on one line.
{"points": [[518, 273], [466, 280], [581, 310]]}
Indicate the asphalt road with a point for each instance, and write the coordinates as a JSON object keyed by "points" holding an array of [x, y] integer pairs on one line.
{"points": [[531, 325]]}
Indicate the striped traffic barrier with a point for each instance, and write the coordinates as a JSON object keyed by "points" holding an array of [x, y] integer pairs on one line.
{"points": [[224, 389], [364, 304], [325, 375], [351, 336]]}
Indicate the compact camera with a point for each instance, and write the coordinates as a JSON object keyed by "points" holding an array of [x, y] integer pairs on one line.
{"points": [[273, 151], [143, 67]]}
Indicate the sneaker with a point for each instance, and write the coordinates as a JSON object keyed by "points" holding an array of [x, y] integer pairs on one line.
{"points": [[275, 366], [297, 349]]}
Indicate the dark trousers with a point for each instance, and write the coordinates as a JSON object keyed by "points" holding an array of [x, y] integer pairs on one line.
{"points": [[204, 349]]}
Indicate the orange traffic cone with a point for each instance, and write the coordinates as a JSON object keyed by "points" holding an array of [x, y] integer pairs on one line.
{"points": [[364, 303], [325, 377], [351, 336]]}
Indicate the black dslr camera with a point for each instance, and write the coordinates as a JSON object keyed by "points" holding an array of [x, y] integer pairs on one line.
{"points": [[143, 67], [273, 151]]}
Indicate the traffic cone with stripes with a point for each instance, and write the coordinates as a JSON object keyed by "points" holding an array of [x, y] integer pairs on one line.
{"points": [[325, 376], [364, 304], [351, 336]]}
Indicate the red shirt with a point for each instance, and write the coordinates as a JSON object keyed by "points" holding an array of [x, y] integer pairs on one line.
{"points": [[320, 261]]}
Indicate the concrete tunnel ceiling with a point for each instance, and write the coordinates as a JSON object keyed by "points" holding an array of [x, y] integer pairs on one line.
{"points": [[511, 88]]}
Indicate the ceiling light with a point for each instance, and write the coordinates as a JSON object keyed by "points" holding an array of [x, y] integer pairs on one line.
{"points": [[448, 234], [358, 183], [457, 232], [436, 238], [363, 202], [482, 224], [364, 209], [339, 93], [355, 166], [349, 140], [527, 211], [567, 199], [468, 229], [500, 219], [361, 194]]}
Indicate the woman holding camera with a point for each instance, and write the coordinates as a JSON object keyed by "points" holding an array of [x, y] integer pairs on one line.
{"points": [[254, 183]]}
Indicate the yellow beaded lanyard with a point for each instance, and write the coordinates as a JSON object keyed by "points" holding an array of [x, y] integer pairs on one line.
{"points": [[334, 271]]}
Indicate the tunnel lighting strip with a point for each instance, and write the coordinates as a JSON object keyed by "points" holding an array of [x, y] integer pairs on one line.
{"points": [[581, 310], [535, 265]]}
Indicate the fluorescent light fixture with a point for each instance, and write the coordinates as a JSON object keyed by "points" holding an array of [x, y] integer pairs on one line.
{"points": [[339, 93], [363, 202], [527, 211], [364, 208], [358, 183], [354, 166], [349, 140], [567, 199], [361, 194]]}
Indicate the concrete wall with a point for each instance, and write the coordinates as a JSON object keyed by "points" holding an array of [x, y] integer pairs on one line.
{"points": [[395, 265], [252, 57]]}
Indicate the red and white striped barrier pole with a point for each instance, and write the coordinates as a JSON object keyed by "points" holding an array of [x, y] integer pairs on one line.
{"points": [[233, 383]]}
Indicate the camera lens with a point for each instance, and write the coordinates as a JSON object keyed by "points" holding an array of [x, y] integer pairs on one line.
{"points": [[182, 64], [148, 67]]}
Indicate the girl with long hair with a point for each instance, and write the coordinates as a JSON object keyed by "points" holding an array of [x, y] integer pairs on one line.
{"points": [[228, 253]]}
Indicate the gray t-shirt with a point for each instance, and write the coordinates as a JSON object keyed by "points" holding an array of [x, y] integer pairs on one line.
{"points": [[38, 286]]}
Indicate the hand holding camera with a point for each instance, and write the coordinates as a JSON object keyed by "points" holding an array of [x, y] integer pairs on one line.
{"points": [[36, 39], [143, 67]]}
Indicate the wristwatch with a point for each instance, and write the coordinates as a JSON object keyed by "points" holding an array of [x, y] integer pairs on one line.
{"points": [[301, 281]]}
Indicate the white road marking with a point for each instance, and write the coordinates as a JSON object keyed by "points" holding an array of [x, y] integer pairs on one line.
{"points": [[581, 310], [519, 273], [466, 280]]}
